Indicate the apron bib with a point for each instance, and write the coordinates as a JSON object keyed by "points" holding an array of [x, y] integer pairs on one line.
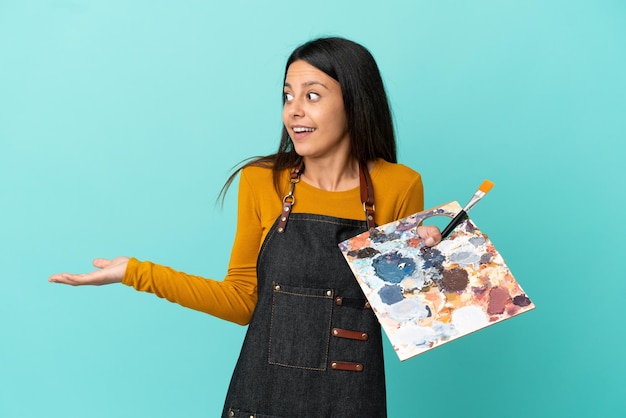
{"points": [[313, 347]]}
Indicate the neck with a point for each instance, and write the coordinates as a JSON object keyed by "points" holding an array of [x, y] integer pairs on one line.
{"points": [[333, 175]]}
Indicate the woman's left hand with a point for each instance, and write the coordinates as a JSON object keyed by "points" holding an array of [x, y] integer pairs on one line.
{"points": [[109, 271], [430, 234]]}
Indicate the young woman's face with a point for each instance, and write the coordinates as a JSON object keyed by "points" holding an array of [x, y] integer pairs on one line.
{"points": [[313, 112]]}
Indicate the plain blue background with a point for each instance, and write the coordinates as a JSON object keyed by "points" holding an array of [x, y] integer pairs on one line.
{"points": [[120, 121]]}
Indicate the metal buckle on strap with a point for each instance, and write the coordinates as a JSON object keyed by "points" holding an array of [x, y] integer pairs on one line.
{"points": [[289, 200], [369, 215]]}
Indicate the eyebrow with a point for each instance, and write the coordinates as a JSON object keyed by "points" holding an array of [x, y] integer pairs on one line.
{"points": [[310, 83]]}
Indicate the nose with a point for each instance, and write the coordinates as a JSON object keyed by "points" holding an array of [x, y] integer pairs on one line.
{"points": [[294, 108]]}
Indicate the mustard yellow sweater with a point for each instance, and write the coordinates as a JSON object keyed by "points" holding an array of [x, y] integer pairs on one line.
{"points": [[398, 193]]}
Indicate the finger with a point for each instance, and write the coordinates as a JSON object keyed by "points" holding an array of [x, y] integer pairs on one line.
{"points": [[93, 278], [65, 278], [56, 277]]}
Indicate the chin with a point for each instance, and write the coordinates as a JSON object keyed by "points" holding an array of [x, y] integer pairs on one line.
{"points": [[302, 151]]}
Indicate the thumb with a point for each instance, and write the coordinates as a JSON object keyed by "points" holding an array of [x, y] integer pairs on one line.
{"points": [[101, 263], [430, 234], [429, 241]]}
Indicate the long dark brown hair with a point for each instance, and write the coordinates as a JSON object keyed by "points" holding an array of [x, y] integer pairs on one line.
{"points": [[370, 125]]}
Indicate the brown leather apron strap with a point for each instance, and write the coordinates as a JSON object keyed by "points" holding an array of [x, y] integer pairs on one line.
{"points": [[367, 195], [347, 366], [350, 334], [289, 198]]}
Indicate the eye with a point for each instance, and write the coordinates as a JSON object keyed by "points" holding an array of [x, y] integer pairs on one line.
{"points": [[313, 96], [287, 97]]}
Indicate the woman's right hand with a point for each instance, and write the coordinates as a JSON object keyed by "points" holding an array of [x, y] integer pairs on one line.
{"points": [[109, 271]]}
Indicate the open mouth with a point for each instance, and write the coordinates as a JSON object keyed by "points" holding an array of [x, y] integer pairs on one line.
{"points": [[301, 129]]}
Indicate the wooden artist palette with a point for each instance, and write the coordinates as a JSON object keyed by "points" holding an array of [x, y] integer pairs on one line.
{"points": [[425, 297]]}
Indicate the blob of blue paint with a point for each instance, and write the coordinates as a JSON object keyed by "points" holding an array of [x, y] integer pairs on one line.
{"points": [[392, 267], [477, 241], [433, 259], [390, 294]]}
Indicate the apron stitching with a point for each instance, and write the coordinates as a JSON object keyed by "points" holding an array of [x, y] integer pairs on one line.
{"points": [[268, 238], [317, 369], [304, 296]]}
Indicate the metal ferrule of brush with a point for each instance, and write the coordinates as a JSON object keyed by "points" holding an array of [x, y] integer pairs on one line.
{"points": [[475, 199]]}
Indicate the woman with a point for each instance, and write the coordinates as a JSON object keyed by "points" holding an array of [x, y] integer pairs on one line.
{"points": [[313, 346]]}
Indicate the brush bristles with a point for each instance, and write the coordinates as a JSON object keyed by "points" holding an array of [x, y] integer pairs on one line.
{"points": [[486, 186]]}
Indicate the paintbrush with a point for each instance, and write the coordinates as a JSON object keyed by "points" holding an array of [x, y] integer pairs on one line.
{"points": [[462, 215]]}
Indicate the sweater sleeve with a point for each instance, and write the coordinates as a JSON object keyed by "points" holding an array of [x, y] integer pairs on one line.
{"points": [[232, 299], [413, 199]]}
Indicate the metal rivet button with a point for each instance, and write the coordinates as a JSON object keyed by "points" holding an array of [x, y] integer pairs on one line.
{"points": [[329, 292], [277, 287], [231, 413], [364, 336], [280, 229], [286, 208], [367, 305], [359, 367], [335, 332], [333, 365], [284, 218]]}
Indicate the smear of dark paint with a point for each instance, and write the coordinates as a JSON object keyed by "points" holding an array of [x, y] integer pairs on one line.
{"points": [[377, 235], [485, 258], [366, 252], [433, 258], [521, 300], [454, 280], [390, 294]]}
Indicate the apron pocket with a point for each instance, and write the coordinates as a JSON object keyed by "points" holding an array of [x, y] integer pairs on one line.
{"points": [[300, 327]]}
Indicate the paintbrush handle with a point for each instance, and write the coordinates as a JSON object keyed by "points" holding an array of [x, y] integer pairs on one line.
{"points": [[460, 217]]}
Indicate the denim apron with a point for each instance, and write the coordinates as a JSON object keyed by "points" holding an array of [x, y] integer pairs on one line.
{"points": [[313, 347]]}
